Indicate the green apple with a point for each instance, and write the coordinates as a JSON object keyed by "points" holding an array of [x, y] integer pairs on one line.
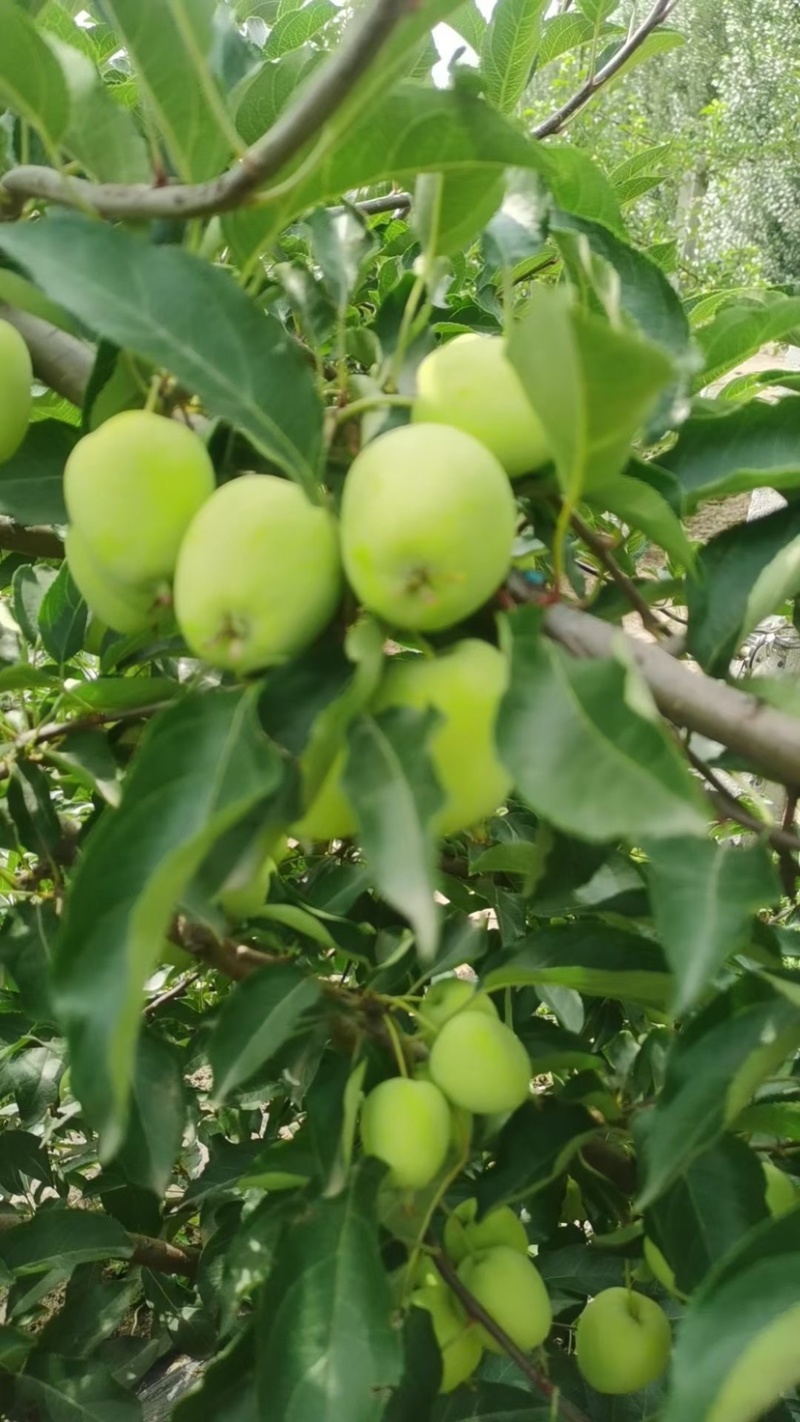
{"points": [[132, 487], [449, 996], [458, 1340], [479, 1064], [258, 574], [622, 1341], [470, 384], [766, 1369], [16, 376], [407, 1124], [511, 1290], [782, 1194], [428, 521], [124, 608], [464, 1234]]}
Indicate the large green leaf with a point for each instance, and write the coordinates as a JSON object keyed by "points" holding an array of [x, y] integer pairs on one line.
{"points": [[704, 896], [326, 1343], [170, 307], [609, 769], [74, 1390], [296, 27], [259, 1016], [204, 763], [591, 385], [739, 331], [102, 135], [62, 618], [391, 784], [741, 575], [592, 958], [156, 1118], [169, 42], [641, 506], [561, 34], [736, 1350], [62, 1237], [31, 82], [755, 445], [509, 49]]}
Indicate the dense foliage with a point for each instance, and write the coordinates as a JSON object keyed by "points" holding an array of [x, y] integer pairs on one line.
{"points": [[400, 998]]}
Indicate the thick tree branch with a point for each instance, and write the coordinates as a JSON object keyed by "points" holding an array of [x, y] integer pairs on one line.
{"points": [[33, 542], [304, 118], [595, 82], [60, 360], [163, 1257], [688, 697]]}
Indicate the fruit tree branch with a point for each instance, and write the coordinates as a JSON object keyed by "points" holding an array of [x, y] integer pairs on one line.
{"points": [[595, 82], [163, 1257], [32, 542], [626, 585], [313, 107], [60, 360]]}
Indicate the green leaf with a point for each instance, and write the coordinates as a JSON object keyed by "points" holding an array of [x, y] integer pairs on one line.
{"points": [[779, 1119], [591, 385], [157, 302], [489, 1402], [22, 1157], [341, 245], [704, 896], [32, 809], [227, 1392], [509, 49], [62, 618], [203, 765], [561, 34], [706, 1211], [553, 1048], [169, 42], [325, 1340], [468, 22], [736, 1350], [32, 1076], [269, 91], [297, 27], [534, 1147], [741, 331], [31, 82], [756, 445], [101, 134], [258, 1017], [641, 172], [156, 1118], [611, 770], [712, 1072], [640, 506], [391, 784], [62, 1237], [31, 480], [29, 585], [741, 575], [592, 958], [74, 1390]]}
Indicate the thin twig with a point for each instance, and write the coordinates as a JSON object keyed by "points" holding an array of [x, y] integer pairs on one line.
{"points": [[587, 91], [537, 1379], [787, 861], [171, 994], [730, 809], [314, 106], [54, 730], [626, 585]]}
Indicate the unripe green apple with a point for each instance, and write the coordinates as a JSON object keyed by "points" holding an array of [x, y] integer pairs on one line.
{"points": [[258, 574], [449, 996], [470, 383], [782, 1194], [511, 1290], [766, 1369], [428, 520], [622, 1341], [132, 487], [16, 376], [464, 1234], [122, 607], [458, 1340], [407, 1124], [465, 684], [479, 1064]]}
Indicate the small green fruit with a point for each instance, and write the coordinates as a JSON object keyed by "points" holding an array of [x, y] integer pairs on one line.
{"points": [[449, 996], [16, 376], [512, 1292], [132, 487], [124, 608], [428, 521], [479, 1064], [470, 383], [407, 1124], [258, 575], [622, 1342], [782, 1194], [464, 1234], [458, 1341]]}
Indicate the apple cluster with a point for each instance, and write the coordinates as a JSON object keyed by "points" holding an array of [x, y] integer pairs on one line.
{"points": [[16, 377]]}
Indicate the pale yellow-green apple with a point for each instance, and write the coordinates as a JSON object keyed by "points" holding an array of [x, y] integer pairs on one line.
{"points": [[406, 1123], [480, 1064], [622, 1341], [428, 521], [132, 487], [124, 608], [465, 1234], [258, 574], [16, 375], [781, 1193], [512, 1292], [470, 383], [458, 1340], [766, 1369], [465, 684], [447, 997]]}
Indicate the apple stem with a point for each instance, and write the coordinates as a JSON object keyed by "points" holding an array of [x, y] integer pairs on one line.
{"points": [[399, 1055]]}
